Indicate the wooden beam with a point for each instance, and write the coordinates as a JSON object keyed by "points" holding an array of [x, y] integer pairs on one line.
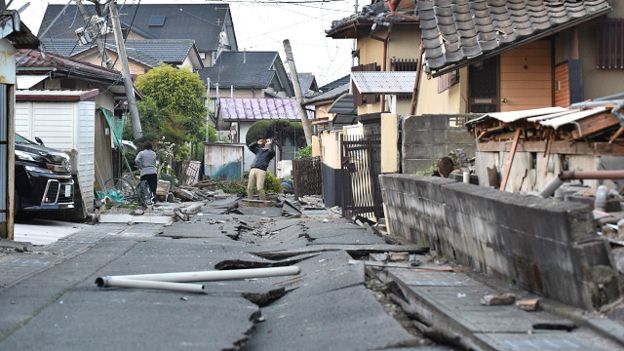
{"points": [[557, 147], [512, 153], [616, 135], [594, 124]]}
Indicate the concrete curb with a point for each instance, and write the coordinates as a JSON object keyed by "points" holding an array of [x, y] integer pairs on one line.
{"points": [[603, 326]]}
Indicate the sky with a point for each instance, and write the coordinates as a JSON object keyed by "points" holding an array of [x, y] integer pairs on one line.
{"points": [[262, 25]]}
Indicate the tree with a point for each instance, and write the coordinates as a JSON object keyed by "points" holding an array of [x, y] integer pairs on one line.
{"points": [[173, 105], [279, 130]]}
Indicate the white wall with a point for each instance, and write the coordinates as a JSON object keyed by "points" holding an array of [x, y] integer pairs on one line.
{"points": [[249, 156], [65, 126], [84, 137]]}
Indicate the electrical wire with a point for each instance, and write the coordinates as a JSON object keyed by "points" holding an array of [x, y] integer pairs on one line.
{"points": [[129, 29]]}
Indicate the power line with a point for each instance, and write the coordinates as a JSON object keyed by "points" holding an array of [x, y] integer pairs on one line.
{"points": [[129, 29]]}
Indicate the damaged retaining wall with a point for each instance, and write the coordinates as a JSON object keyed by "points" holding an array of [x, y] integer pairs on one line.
{"points": [[543, 245], [427, 138]]}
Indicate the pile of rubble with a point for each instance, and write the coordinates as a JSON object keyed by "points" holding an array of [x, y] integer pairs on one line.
{"points": [[200, 191]]}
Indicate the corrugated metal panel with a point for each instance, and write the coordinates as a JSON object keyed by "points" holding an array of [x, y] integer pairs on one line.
{"points": [[508, 117], [573, 116], [384, 82]]}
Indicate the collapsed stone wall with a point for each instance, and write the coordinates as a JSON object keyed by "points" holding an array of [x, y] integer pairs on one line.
{"points": [[427, 138], [543, 245]]}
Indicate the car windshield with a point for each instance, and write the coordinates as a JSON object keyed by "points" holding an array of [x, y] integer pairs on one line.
{"points": [[21, 140]]}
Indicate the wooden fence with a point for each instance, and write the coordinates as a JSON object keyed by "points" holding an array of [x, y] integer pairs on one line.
{"points": [[307, 176]]}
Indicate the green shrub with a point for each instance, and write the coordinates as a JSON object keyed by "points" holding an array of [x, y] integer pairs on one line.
{"points": [[233, 187], [304, 152], [272, 184]]}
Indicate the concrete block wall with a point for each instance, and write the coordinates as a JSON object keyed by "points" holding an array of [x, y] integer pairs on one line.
{"points": [[427, 138], [545, 246]]}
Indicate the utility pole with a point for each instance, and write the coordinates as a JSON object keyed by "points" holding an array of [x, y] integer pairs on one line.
{"points": [[207, 109], [353, 57], [96, 34], [307, 124], [121, 53]]}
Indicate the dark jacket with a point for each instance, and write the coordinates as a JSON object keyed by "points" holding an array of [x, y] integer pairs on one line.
{"points": [[263, 156]]}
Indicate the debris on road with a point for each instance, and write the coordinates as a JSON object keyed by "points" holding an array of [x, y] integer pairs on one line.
{"points": [[177, 281], [529, 305], [498, 299]]}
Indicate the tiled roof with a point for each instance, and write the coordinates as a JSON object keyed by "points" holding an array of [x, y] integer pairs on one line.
{"points": [[251, 109], [200, 22], [64, 47], [307, 82], [344, 105], [375, 82], [150, 52], [329, 95], [251, 69], [376, 13], [32, 62], [165, 50], [56, 95], [335, 84], [457, 32]]}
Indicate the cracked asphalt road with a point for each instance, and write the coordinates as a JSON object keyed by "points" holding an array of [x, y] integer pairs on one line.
{"points": [[326, 307]]}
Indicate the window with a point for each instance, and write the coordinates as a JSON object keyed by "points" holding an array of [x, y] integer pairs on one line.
{"points": [[404, 64], [610, 41], [156, 21], [447, 80]]}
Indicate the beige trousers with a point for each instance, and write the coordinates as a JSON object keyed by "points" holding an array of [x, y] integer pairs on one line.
{"points": [[256, 177]]}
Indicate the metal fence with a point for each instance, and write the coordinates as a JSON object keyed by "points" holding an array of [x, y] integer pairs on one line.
{"points": [[361, 165], [307, 176]]}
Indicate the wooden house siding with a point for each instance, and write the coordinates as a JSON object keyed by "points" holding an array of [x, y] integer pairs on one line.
{"points": [[526, 77], [562, 85]]}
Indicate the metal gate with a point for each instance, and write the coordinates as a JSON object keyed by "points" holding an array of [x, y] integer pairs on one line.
{"points": [[361, 166]]}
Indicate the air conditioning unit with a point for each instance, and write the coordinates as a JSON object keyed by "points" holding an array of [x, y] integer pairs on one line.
{"points": [[84, 38]]}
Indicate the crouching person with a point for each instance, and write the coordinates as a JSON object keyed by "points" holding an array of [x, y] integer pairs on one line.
{"points": [[263, 148]]}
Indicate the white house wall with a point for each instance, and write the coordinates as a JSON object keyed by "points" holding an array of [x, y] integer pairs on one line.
{"points": [[23, 120], [249, 156], [85, 144], [65, 126]]}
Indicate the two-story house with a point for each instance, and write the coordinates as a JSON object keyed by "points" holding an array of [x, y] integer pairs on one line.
{"points": [[209, 25]]}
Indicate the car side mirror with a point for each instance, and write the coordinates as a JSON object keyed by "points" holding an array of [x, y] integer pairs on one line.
{"points": [[38, 139]]}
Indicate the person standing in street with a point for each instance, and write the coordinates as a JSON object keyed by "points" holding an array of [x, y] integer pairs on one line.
{"points": [[263, 148], [146, 162]]}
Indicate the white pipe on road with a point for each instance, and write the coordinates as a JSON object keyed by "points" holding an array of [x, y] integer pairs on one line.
{"points": [[116, 282], [205, 276]]}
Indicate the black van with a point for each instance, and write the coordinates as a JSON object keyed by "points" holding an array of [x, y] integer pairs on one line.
{"points": [[43, 180]]}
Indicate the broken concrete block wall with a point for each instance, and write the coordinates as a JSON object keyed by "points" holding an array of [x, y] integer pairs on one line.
{"points": [[427, 138], [545, 246]]}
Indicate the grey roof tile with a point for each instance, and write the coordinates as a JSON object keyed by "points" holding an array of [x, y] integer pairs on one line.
{"points": [[251, 69], [200, 22], [456, 31]]}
